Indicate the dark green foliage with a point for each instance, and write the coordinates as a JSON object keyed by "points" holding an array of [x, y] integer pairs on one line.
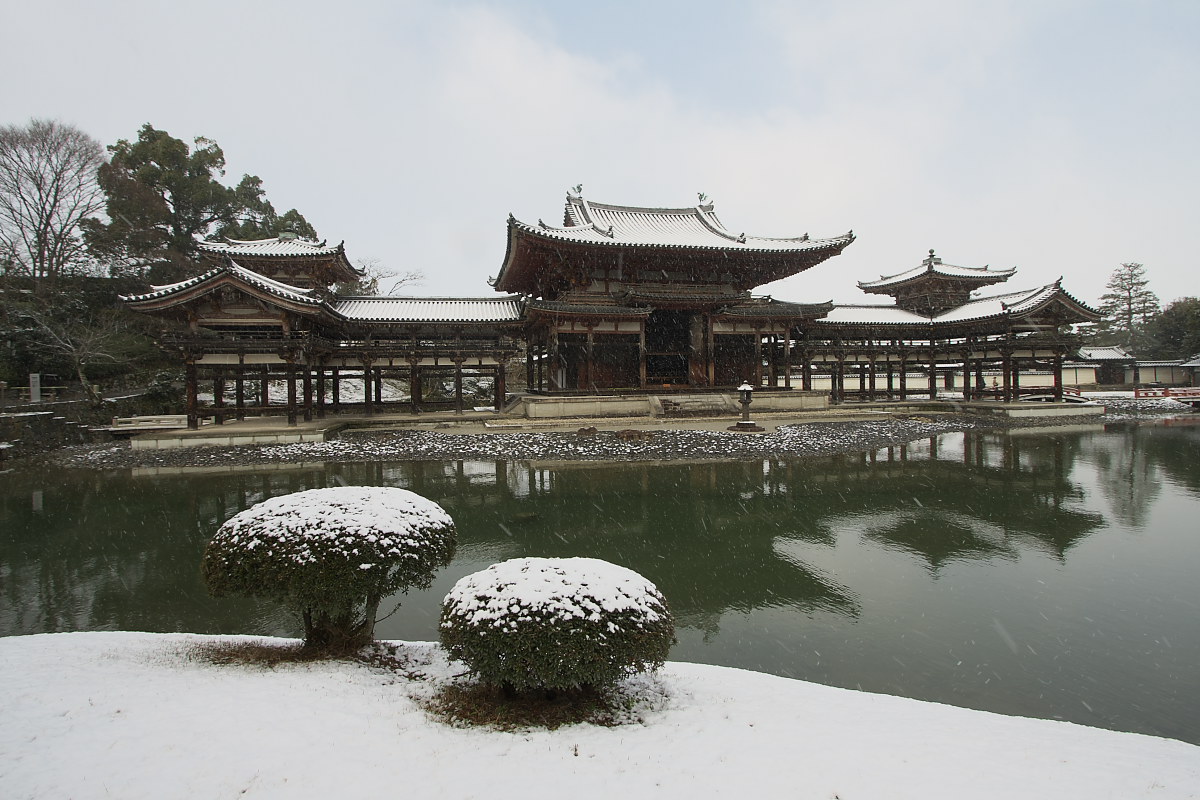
{"points": [[331, 555], [1175, 333], [162, 195], [556, 624], [256, 218], [1129, 306]]}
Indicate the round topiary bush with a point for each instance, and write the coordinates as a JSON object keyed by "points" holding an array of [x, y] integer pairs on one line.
{"points": [[556, 623], [331, 555]]}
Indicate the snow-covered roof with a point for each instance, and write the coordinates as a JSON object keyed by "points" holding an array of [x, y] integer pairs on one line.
{"points": [[277, 246], [695, 227], [429, 309], [1194, 361], [933, 265], [278, 288], [1112, 353], [1011, 303]]}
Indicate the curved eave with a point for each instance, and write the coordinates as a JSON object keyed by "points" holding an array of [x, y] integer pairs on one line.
{"points": [[755, 245], [758, 266], [335, 256], [188, 291]]}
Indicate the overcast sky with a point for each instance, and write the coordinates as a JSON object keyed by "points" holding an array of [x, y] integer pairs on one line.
{"points": [[1055, 136]]}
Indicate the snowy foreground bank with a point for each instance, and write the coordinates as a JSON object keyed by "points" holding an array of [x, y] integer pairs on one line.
{"points": [[136, 715]]}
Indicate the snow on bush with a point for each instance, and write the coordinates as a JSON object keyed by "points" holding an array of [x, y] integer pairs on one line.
{"points": [[331, 555], [556, 623]]}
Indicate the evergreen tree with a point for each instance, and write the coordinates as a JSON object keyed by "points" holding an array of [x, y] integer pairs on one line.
{"points": [[257, 219], [1175, 333], [163, 195], [1128, 307]]}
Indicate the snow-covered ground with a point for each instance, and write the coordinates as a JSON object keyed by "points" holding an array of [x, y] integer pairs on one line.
{"points": [[135, 715]]}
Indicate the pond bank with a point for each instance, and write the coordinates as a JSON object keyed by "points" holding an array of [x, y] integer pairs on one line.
{"points": [[607, 440]]}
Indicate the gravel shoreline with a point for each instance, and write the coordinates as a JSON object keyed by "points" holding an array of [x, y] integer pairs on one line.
{"points": [[792, 441]]}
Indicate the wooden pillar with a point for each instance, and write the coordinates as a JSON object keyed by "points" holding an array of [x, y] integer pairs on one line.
{"points": [[191, 392], [966, 376], [553, 366], [337, 389], [414, 386], [787, 360], [806, 370], [891, 380], [239, 389], [368, 388], [291, 393], [264, 389], [529, 383], [1016, 379], [321, 392], [377, 384], [756, 382], [591, 361], [500, 387], [642, 356], [1058, 378], [871, 378], [862, 380], [1006, 372], [458, 386], [219, 396], [932, 374], [308, 393], [903, 376]]}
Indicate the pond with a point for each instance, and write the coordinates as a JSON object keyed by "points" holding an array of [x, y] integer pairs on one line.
{"points": [[1046, 573]]}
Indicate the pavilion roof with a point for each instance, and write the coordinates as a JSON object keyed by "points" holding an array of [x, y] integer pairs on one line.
{"points": [[284, 249], [600, 227], [934, 267], [269, 285], [1011, 304], [379, 309]]}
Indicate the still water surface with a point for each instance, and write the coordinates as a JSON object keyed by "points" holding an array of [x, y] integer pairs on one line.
{"points": [[1048, 574]]}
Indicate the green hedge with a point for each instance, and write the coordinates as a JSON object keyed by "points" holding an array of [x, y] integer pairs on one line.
{"points": [[545, 623], [331, 555]]}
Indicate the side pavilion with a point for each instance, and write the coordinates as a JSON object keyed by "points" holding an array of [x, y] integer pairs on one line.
{"points": [[246, 328]]}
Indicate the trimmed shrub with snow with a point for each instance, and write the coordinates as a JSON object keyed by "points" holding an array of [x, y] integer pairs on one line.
{"points": [[331, 555], [556, 623]]}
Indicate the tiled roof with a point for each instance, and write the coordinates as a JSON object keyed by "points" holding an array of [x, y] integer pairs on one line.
{"points": [[1012, 303], [285, 247], [933, 265], [429, 309], [1113, 353], [697, 227], [270, 285]]}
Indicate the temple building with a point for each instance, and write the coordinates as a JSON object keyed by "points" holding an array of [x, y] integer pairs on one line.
{"points": [[940, 325], [651, 298], [244, 328], [616, 300]]}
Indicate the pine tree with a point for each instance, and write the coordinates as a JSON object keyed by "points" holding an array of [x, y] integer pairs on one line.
{"points": [[1128, 307]]}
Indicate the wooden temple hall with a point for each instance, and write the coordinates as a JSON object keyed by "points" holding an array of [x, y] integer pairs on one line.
{"points": [[616, 300]]}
